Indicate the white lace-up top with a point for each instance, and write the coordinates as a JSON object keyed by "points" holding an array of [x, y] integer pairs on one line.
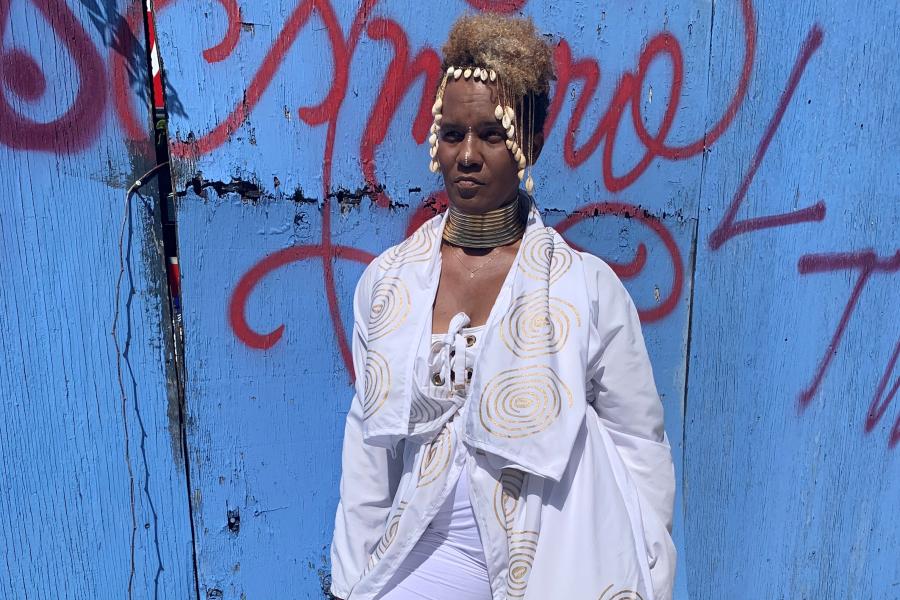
{"points": [[447, 563]]}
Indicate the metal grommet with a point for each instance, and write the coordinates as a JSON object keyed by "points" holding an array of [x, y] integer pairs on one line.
{"points": [[436, 379], [469, 374], [470, 340], [452, 353]]}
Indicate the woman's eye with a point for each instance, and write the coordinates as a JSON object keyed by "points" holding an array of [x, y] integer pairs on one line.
{"points": [[495, 136], [451, 136]]}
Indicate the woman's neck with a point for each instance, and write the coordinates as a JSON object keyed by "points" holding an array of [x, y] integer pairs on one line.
{"points": [[497, 227]]}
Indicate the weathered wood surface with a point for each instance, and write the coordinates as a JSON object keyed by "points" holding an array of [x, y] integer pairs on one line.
{"points": [[787, 494], [65, 496], [297, 130]]}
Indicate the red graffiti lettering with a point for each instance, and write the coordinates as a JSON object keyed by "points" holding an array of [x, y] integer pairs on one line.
{"points": [[588, 71], [659, 148], [867, 263], [878, 407], [401, 73], [237, 306], [223, 49], [727, 227], [628, 92], [264, 75], [75, 129], [631, 269]]}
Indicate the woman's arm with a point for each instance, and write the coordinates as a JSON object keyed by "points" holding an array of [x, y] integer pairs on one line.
{"points": [[623, 394], [369, 475]]}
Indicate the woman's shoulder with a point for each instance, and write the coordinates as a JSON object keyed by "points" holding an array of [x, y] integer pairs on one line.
{"points": [[417, 246], [600, 278], [609, 300]]}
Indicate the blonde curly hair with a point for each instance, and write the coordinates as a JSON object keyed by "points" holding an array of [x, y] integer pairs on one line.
{"points": [[511, 46]]}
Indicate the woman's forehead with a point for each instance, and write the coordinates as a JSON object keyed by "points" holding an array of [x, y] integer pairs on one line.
{"points": [[468, 98]]}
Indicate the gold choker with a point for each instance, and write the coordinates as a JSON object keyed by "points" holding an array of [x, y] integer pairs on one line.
{"points": [[498, 227]]}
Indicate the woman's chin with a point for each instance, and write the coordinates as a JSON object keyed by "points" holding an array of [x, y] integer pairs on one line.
{"points": [[472, 200], [469, 202], [468, 193]]}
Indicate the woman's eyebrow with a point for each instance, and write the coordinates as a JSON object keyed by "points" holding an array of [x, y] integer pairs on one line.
{"points": [[483, 125]]}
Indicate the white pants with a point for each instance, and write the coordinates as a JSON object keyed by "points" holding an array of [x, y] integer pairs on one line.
{"points": [[447, 563]]}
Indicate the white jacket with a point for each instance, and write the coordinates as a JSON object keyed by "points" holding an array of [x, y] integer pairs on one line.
{"points": [[561, 431]]}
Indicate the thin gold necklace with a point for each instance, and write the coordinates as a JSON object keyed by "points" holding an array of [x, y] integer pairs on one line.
{"points": [[481, 266]]}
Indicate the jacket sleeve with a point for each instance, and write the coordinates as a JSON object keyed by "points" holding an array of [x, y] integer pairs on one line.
{"points": [[623, 393], [369, 474]]}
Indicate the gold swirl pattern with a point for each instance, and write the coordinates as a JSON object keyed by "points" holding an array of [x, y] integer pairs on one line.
{"points": [[517, 403], [415, 248], [620, 595], [542, 259], [424, 409], [506, 496], [390, 307], [532, 328], [436, 457], [390, 533], [522, 548], [377, 383]]}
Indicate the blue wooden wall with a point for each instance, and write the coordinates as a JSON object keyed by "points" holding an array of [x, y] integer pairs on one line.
{"points": [[93, 492], [736, 162]]}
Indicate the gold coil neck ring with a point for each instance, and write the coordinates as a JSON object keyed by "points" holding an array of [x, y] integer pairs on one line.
{"points": [[497, 227]]}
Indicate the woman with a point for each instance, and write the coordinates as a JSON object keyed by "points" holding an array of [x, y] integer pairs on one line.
{"points": [[506, 438]]}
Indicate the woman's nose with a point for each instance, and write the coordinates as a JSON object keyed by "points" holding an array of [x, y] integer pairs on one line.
{"points": [[469, 152]]}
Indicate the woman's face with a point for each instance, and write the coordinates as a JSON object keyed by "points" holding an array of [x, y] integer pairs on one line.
{"points": [[479, 171]]}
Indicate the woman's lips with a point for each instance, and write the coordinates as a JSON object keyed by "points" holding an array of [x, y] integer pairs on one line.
{"points": [[468, 184]]}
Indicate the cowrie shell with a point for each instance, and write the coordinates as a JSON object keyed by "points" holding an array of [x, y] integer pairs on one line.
{"points": [[450, 70], [510, 144], [457, 73], [521, 174], [432, 139], [498, 112], [477, 72], [510, 113], [467, 73], [433, 151], [433, 166], [436, 107], [522, 162], [493, 75], [511, 132], [506, 122], [529, 184]]}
